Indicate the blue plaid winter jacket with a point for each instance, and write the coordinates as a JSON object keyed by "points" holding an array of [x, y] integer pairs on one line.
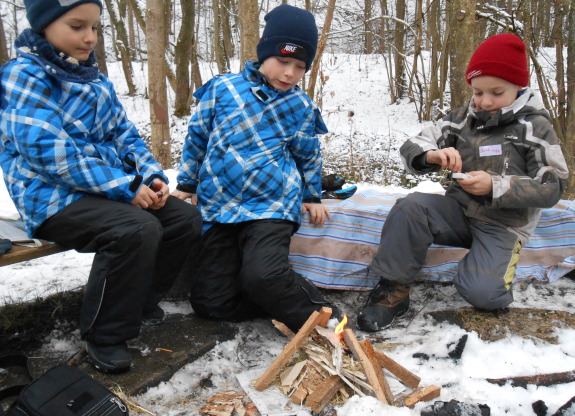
{"points": [[252, 151], [64, 134]]}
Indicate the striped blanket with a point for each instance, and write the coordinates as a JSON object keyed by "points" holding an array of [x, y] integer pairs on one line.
{"points": [[334, 256]]}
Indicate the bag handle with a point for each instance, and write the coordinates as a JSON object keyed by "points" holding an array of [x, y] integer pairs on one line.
{"points": [[14, 360]]}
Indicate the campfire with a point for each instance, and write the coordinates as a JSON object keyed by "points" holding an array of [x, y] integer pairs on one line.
{"points": [[319, 363]]}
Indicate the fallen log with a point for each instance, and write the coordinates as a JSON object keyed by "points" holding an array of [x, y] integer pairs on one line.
{"points": [[550, 379]]}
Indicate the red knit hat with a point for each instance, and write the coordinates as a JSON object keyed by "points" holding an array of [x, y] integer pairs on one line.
{"points": [[502, 56]]}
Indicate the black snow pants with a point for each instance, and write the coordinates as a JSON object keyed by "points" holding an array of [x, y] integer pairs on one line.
{"points": [[243, 272], [138, 255]]}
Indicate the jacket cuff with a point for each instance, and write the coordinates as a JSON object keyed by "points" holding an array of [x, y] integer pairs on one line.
{"points": [[190, 189]]}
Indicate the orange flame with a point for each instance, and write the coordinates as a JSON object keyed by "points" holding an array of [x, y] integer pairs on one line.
{"points": [[341, 326]]}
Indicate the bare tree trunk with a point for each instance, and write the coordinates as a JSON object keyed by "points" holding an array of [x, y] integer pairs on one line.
{"points": [[416, 46], [220, 54], [569, 141], [557, 36], [227, 29], [249, 30], [463, 23], [101, 53], [384, 49], [368, 38], [196, 74], [3, 48], [131, 31], [183, 55], [320, 48], [434, 35], [122, 44], [399, 52], [156, 39], [141, 22]]}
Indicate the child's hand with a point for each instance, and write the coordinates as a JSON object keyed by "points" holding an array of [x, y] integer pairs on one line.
{"points": [[185, 195], [146, 198], [479, 184], [448, 158], [162, 190], [317, 213]]}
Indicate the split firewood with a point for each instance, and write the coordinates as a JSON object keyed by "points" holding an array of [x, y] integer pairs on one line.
{"points": [[372, 369], [403, 374], [419, 395], [290, 374], [227, 402], [537, 380], [289, 350], [300, 394], [217, 410], [324, 393], [329, 336], [283, 329]]}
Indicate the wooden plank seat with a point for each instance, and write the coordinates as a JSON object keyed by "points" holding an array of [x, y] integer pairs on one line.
{"points": [[23, 253]]}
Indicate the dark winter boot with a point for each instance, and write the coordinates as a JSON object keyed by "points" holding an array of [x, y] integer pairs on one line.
{"points": [[153, 316], [386, 301]]}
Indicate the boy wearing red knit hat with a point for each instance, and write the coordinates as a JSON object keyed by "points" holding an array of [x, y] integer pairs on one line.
{"points": [[505, 143]]}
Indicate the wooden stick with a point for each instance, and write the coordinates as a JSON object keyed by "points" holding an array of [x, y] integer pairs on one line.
{"points": [[373, 372], [537, 380], [421, 395], [403, 374], [280, 326], [323, 393], [325, 316], [371, 354], [290, 349]]}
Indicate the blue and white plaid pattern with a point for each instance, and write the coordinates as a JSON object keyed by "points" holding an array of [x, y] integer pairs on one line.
{"points": [[250, 147], [60, 140]]}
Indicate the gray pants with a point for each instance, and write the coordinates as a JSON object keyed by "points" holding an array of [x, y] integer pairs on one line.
{"points": [[484, 275]]}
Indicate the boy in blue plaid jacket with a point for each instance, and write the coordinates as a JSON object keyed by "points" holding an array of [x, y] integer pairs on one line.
{"points": [[252, 157], [81, 176]]}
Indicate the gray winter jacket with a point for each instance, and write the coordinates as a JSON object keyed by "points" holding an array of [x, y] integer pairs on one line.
{"points": [[517, 146]]}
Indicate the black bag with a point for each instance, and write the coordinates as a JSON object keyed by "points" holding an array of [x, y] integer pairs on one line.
{"points": [[64, 391]]}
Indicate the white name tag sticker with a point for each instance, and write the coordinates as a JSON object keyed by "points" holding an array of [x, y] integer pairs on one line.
{"points": [[493, 150]]}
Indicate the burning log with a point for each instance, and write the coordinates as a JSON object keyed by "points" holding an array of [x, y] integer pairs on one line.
{"points": [[537, 380]]}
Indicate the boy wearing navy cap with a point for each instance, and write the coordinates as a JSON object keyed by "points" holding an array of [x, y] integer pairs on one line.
{"points": [[252, 157], [505, 142]]}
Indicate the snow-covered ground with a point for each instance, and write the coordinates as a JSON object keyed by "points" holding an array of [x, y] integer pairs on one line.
{"points": [[366, 128]]}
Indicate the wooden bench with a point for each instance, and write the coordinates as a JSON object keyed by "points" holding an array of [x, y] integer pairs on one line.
{"points": [[22, 253]]}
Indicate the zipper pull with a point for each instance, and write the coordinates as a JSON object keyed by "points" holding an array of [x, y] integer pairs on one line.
{"points": [[505, 164], [119, 403]]}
